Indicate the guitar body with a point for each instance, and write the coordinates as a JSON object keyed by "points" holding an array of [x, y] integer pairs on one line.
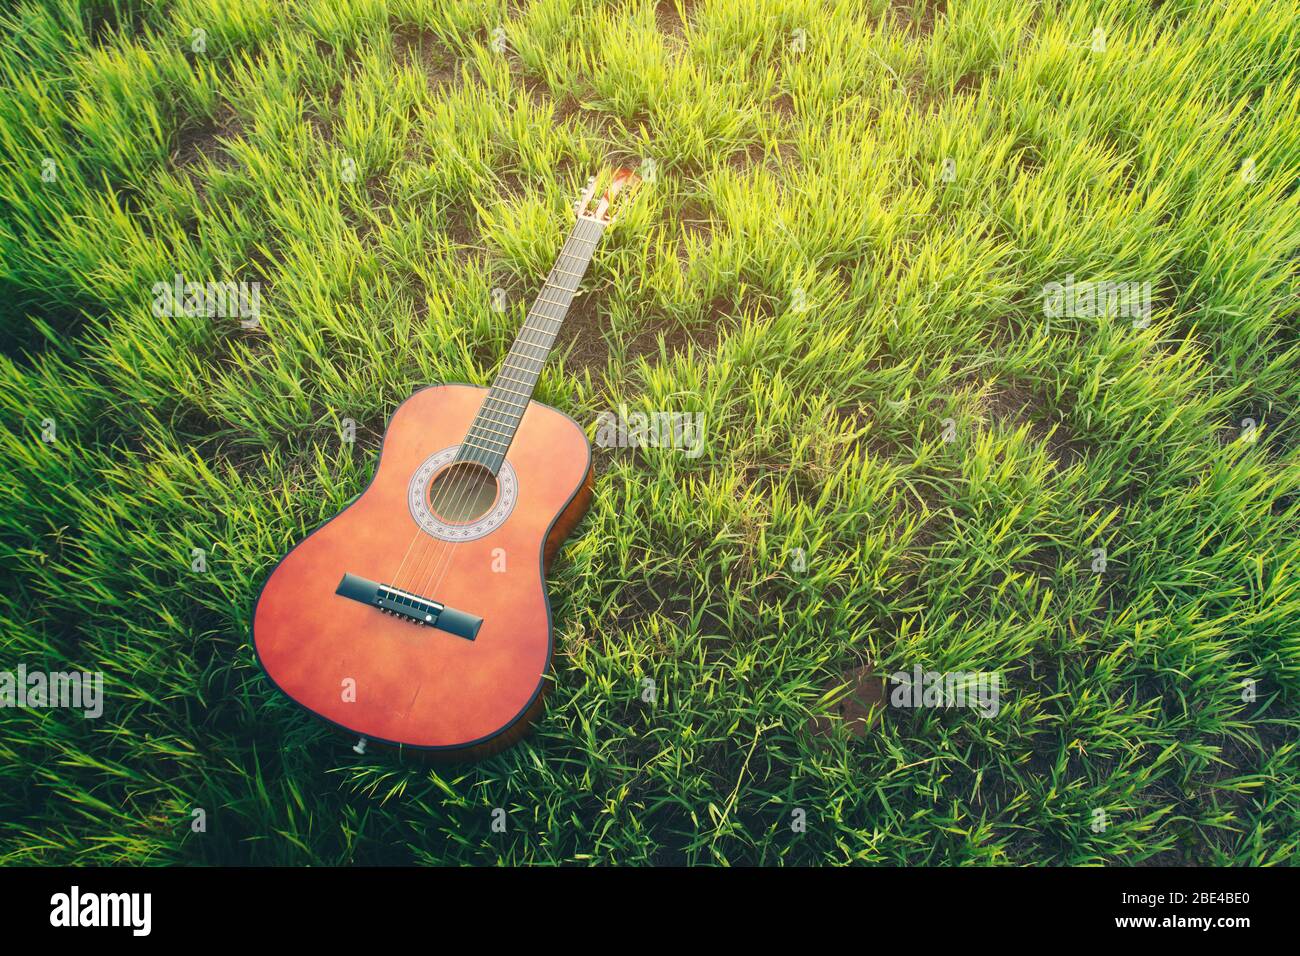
{"points": [[389, 678]]}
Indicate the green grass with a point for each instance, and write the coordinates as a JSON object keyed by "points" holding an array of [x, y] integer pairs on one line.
{"points": [[1168, 156]]}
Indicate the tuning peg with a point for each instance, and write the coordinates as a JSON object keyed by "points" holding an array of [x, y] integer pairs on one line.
{"points": [[586, 197]]}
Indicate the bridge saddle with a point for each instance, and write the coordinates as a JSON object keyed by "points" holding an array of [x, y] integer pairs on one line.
{"points": [[410, 607]]}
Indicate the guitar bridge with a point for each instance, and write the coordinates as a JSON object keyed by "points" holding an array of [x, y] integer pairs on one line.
{"points": [[409, 606]]}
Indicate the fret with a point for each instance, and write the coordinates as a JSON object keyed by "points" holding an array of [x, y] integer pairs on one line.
{"points": [[518, 356], [539, 336], [528, 385], [524, 395], [538, 330], [555, 282], [580, 257], [504, 402], [564, 267], [506, 414], [498, 390], [545, 318], [494, 441], [542, 341], [516, 381], [511, 424], [524, 388], [504, 405], [577, 255], [573, 262], [528, 371], [468, 449], [508, 437], [496, 419], [480, 425], [497, 416], [520, 361], [536, 313], [541, 298], [545, 349]]}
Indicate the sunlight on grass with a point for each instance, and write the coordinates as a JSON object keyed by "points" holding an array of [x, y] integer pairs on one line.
{"points": [[840, 263]]}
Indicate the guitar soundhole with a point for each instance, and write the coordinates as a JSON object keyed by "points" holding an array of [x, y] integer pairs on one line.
{"points": [[462, 492]]}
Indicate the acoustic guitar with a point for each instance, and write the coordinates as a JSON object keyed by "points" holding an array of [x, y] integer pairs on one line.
{"points": [[418, 615]]}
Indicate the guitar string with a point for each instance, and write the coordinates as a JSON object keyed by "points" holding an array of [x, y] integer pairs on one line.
{"points": [[474, 454], [492, 415], [546, 339], [436, 561], [420, 531]]}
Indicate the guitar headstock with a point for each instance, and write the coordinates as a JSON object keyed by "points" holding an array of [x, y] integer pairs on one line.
{"points": [[617, 187]]}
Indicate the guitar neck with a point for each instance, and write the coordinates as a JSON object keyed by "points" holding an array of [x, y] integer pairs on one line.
{"points": [[494, 426]]}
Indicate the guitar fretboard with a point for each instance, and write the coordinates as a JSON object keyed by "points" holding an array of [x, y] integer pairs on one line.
{"points": [[494, 426]]}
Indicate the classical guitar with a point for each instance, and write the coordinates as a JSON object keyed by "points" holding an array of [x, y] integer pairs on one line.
{"points": [[418, 615]]}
